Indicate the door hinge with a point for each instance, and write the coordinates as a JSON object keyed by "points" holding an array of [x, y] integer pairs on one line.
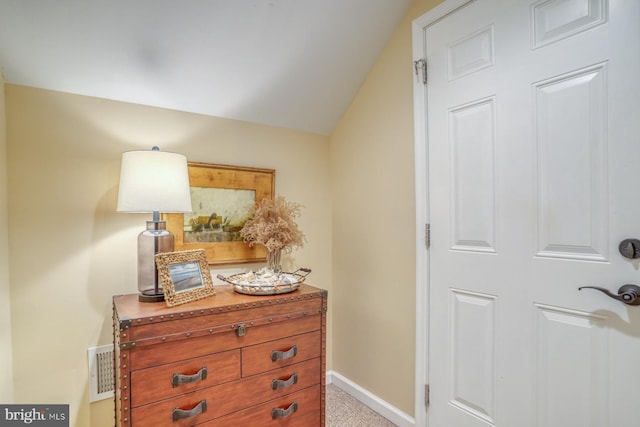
{"points": [[426, 395], [421, 65], [427, 235]]}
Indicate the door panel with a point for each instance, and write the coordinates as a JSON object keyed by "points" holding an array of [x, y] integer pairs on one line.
{"points": [[533, 144], [571, 173], [571, 367], [472, 176], [472, 345]]}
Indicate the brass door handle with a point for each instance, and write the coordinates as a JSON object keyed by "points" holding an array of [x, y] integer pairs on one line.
{"points": [[628, 294]]}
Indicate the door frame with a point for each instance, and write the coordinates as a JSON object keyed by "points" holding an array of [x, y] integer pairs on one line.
{"points": [[421, 158]]}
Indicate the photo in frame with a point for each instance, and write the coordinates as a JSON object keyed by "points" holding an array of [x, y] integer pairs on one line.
{"points": [[185, 276], [221, 198]]}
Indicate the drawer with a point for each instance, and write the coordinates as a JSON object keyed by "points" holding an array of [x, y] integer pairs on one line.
{"points": [[275, 354], [269, 385], [217, 401], [161, 382], [301, 409], [194, 345], [194, 320]]}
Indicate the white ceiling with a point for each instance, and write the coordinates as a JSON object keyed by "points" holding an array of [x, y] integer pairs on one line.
{"points": [[289, 63]]}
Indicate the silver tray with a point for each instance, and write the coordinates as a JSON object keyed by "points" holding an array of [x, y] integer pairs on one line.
{"points": [[255, 284]]}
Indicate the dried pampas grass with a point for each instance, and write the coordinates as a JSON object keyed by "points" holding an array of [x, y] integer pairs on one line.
{"points": [[272, 224]]}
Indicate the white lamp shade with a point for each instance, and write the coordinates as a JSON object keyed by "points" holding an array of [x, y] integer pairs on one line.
{"points": [[154, 180]]}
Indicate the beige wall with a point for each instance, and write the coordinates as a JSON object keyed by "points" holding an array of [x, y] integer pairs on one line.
{"points": [[372, 173], [6, 368], [70, 251]]}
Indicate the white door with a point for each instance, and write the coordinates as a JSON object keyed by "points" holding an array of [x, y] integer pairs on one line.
{"points": [[534, 180]]}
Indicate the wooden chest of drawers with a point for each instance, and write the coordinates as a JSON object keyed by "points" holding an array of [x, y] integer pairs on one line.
{"points": [[227, 360]]}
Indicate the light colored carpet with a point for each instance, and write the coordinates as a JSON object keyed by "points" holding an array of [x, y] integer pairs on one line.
{"points": [[343, 410]]}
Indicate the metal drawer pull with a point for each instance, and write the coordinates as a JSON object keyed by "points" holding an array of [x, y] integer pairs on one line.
{"points": [[180, 379], [181, 414], [282, 413], [278, 384], [282, 355]]}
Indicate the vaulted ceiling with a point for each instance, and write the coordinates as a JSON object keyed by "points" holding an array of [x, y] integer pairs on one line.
{"points": [[289, 63]]}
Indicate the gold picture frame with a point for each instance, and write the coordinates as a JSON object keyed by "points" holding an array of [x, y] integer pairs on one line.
{"points": [[220, 196], [185, 276]]}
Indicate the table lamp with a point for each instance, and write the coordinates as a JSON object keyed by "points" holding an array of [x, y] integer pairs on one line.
{"points": [[153, 181]]}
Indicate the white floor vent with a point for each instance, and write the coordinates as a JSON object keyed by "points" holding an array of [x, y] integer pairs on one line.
{"points": [[100, 373]]}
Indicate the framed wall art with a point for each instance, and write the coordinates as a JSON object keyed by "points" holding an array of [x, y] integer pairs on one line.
{"points": [[221, 198], [185, 276]]}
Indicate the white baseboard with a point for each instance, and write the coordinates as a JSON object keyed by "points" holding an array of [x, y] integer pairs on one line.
{"points": [[390, 412]]}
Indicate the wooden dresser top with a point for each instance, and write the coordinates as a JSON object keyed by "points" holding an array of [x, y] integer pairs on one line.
{"points": [[128, 306]]}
